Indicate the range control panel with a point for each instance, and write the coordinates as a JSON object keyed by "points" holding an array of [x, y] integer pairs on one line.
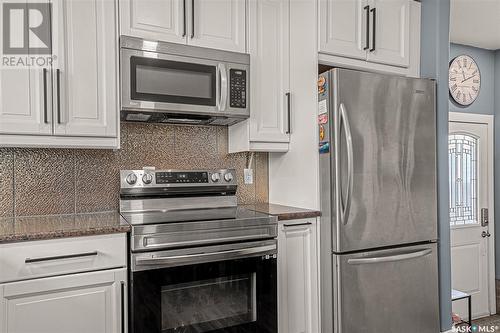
{"points": [[238, 88], [176, 178]]}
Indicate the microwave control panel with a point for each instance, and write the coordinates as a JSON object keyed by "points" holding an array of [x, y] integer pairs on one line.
{"points": [[238, 88]]}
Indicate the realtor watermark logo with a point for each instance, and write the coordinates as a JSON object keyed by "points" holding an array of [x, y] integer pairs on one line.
{"points": [[476, 329], [27, 35]]}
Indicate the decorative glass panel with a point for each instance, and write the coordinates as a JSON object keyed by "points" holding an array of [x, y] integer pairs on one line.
{"points": [[462, 150]]}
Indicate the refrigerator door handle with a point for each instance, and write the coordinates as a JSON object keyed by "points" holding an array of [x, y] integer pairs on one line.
{"points": [[346, 206], [397, 257]]}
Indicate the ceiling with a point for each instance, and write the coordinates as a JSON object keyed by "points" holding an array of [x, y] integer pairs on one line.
{"points": [[476, 23]]}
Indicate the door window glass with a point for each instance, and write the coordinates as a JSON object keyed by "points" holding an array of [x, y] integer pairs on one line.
{"points": [[208, 305], [463, 173]]}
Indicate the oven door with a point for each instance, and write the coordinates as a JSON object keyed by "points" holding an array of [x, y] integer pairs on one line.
{"points": [[226, 288]]}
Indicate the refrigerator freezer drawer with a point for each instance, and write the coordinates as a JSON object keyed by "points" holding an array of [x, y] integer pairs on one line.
{"points": [[393, 290]]}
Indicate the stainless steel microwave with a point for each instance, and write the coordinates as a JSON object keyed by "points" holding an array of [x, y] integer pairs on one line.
{"points": [[174, 83]]}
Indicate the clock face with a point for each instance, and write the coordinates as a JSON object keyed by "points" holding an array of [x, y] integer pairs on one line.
{"points": [[464, 80]]}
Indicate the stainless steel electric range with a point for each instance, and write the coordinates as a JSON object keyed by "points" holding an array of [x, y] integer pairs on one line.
{"points": [[198, 262]]}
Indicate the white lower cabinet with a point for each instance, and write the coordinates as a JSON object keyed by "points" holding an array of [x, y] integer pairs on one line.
{"points": [[45, 291], [78, 303], [298, 306]]}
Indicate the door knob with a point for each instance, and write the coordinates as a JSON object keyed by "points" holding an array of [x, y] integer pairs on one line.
{"points": [[485, 234]]}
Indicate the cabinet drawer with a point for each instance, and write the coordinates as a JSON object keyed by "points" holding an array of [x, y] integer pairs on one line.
{"points": [[28, 260]]}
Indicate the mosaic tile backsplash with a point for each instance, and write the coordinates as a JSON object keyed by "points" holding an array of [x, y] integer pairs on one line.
{"points": [[65, 181]]}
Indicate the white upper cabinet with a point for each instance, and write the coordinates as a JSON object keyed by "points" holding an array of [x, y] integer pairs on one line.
{"points": [[270, 70], [217, 24], [268, 128], [154, 19], [377, 35], [22, 108], [85, 82], [73, 102], [390, 34], [343, 28]]}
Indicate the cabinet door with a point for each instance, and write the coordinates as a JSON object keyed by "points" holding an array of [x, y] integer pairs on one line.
{"points": [[22, 108], [390, 32], [218, 24], [343, 28], [163, 20], [269, 41], [85, 79], [297, 277], [79, 303]]}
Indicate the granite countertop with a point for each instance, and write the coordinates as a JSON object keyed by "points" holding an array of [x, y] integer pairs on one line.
{"points": [[284, 212], [59, 226]]}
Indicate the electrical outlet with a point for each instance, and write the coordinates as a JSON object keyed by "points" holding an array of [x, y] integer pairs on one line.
{"points": [[248, 175]]}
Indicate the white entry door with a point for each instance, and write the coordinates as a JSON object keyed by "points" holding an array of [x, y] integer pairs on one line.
{"points": [[470, 186]]}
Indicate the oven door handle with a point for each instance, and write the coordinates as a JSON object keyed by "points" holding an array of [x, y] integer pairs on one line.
{"points": [[146, 244], [206, 257]]}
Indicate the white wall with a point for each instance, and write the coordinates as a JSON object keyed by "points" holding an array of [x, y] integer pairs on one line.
{"points": [[293, 177]]}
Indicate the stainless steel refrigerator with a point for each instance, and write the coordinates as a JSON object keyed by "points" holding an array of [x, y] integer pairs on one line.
{"points": [[379, 270]]}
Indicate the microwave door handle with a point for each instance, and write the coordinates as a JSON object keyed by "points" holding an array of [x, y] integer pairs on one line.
{"points": [[217, 87], [223, 87]]}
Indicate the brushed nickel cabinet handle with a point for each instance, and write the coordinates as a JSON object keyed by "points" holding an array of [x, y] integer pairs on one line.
{"points": [[58, 86], [122, 305], [184, 17], [367, 45], [374, 32], [289, 112], [64, 256], [296, 225], [45, 119], [192, 19]]}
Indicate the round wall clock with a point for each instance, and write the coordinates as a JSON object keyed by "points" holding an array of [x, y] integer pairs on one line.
{"points": [[464, 80]]}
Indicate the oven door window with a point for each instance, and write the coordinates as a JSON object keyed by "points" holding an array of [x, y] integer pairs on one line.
{"points": [[165, 81], [236, 296], [211, 304]]}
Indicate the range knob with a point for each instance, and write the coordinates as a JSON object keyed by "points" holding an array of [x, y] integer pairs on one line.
{"points": [[147, 178], [215, 177], [228, 177], [131, 178]]}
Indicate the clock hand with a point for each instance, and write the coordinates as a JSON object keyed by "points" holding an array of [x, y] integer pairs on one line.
{"points": [[470, 77]]}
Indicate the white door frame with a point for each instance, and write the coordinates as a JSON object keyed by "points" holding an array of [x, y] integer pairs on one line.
{"points": [[488, 120]]}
